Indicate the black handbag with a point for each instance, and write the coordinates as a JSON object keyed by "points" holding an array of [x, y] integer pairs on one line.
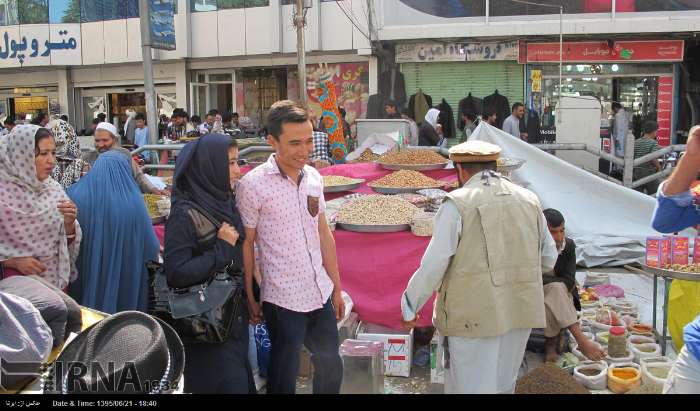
{"points": [[204, 313]]}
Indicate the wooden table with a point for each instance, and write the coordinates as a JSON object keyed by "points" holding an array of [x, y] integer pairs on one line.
{"points": [[668, 276]]}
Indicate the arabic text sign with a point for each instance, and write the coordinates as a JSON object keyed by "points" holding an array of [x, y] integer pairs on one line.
{"points": [[601, 52], [162, 24], [442, 52], [33, 45]]}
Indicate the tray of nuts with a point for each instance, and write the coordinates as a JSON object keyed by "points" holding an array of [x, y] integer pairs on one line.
{"points": [[376, 214], [412, 159], [339, 184], [404, 181]]}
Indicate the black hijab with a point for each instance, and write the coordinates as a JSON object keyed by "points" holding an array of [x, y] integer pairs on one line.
{"points": [[202, 177]]}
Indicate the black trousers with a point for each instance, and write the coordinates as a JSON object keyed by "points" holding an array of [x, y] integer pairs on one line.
{"points": [[221, 368], [289, 330]]}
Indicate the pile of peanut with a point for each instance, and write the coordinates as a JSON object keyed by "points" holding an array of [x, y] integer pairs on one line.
{"points": [[334, 181], [406, 179], [413, 157], [377, 210]]}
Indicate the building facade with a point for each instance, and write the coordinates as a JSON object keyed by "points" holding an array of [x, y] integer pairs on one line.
{"points": [[81, 57]]}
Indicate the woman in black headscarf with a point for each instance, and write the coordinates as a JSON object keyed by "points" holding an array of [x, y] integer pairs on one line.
{"points": [[205, 174]]}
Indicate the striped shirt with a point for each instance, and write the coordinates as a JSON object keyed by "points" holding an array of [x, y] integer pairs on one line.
{"points": [[644, 146]]}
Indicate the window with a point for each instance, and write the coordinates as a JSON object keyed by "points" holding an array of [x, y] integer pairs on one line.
{"points": [[203, 5], [91, 11], [119, 9], [231, 4], [257, 3], [656, 5], [8, 13], [33, 11], [509, 8], [64, 11]]}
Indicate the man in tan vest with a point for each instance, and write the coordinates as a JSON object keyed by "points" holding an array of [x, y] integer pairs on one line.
{"points": [[489, 249]]}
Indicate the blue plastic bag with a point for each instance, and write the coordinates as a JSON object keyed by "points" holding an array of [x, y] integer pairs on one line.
{"points": [[262, 342]]}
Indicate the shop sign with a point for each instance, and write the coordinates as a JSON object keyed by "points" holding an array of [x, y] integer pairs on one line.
{"points": [[536, 78], [36, 46], [602, 52], [452, 52], [162, 24], [665, 109]]}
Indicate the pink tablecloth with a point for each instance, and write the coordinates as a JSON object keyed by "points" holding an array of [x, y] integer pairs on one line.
{"points": [[375, 269]]}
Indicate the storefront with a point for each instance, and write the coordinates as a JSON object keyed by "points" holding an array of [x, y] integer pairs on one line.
{"points": [[116, 101], [640, 75], [251, 91], [25, 103], [453, 71]]}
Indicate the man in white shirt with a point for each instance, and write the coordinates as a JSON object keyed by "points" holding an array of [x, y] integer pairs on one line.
{"points": [[511, 125], [621, 128]]}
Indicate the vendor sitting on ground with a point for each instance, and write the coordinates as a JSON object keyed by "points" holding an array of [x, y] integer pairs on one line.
{"points": [[559, 292]]}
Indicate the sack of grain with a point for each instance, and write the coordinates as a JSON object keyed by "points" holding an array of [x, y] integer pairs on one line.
{"points": [[592, 374], [647, 350], [624, 377]]}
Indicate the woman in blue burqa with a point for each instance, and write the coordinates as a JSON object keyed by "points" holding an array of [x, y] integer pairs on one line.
{"points": [[112, 274]]}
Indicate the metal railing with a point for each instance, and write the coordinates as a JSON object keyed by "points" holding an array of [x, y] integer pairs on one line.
{"points": [[628, 163], [176, 147]]}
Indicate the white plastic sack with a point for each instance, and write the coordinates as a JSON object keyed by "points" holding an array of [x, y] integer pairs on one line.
{"points": [[637, 350], [596, 382], [389, 140], [609, 223]]}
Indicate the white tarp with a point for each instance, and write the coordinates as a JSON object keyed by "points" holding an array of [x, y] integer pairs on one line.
{"points": [[609, 223]]}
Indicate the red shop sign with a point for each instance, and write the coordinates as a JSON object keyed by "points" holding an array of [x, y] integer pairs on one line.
{"points": [[601, 52]]}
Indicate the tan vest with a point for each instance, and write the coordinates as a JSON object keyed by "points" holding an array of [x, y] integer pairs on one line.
{"points": [[494, 282]]}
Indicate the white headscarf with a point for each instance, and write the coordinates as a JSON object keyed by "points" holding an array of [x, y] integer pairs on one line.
{"points": [[30, 223], [432, 117]]}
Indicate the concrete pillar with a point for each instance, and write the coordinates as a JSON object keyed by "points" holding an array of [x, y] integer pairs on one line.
{"points": [[373, 75], [182, 84], [66, 93]]}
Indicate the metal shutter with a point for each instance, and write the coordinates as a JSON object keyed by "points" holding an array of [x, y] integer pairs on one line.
{"points": [[454, 81]]}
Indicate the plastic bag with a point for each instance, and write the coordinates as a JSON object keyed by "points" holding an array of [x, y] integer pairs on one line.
{"points": [[655, 370], [594, 382], [620, 385], [647, 350], [262, 341]]}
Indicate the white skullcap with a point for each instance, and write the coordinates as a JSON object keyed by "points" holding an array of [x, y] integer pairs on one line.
{"points": [[108, 127]]}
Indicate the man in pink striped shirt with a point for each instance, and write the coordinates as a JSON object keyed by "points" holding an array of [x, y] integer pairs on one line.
{"points": [[282, 207]]}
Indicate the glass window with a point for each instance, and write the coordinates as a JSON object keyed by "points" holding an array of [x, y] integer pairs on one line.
{"points": [[510, 8], [33, 11], [203, 5], [64, 11], [449, 9], [91, 11], [257, 3], [231, 4], [119, 9], [8, 13], [219, 77], [656, 5]]}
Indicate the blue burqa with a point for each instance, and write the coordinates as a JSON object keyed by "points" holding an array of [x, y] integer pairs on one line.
{"points": [[118, 238]]}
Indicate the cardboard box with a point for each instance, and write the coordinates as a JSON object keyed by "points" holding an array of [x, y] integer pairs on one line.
{"points": [[659, 252], [680, 250], [696, 251], [653, 249], [437, 354], [398, 348]]}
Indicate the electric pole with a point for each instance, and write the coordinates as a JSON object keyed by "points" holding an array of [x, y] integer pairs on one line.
{"points": [[149, 87], [300, 22]]}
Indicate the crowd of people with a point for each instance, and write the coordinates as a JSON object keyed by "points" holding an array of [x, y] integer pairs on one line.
{"points": [[500, 264]]}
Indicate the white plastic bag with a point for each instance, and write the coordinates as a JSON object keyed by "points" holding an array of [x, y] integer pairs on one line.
{"points": [[643, 351], [648, 376], [596, 382]]}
